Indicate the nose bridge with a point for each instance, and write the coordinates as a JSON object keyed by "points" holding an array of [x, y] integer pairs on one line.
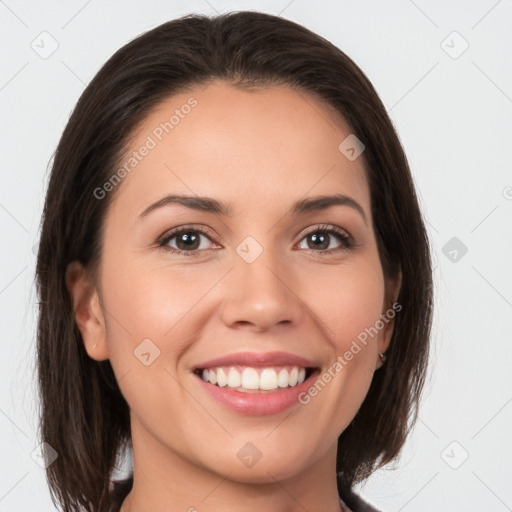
{"points": [[261, 293]]}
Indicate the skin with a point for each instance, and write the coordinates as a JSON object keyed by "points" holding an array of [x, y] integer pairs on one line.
{"points": [[259, 151]]}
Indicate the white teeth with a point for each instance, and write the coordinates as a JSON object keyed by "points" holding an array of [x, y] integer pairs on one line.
{"points": [[234, 379], [294, 375], [251, 379], [268, 379], [222, 378], [282, 378]]}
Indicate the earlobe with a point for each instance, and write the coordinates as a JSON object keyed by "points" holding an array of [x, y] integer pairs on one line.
{"points": [[87, 311], [392, 307], [382, 360]]}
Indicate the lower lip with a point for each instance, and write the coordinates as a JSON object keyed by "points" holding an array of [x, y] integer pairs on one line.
{"points": [[258, 404]]}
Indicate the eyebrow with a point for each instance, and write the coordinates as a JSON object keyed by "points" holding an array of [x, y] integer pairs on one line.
{"points": [[210, 205]]}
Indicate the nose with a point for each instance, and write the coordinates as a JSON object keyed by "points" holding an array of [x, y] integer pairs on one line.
{"points": [[261, 294]]}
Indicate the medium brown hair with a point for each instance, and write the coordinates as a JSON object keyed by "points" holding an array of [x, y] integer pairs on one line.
{"points": [[84, 416]]}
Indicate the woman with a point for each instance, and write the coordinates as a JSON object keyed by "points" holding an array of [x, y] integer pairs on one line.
{"points": [[234, 277]]}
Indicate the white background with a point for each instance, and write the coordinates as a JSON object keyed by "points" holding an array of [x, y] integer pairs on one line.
{"points": [[454, 119]]}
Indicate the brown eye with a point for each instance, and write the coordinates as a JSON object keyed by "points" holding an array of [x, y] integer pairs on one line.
{"points": [[186, 241], [323, 239]]}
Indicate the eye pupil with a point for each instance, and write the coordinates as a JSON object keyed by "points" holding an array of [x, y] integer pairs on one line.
{"points": [[323, 238], [187, 240]]}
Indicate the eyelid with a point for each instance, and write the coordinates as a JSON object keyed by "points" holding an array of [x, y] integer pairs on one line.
{"points": [[170, 233], [328, 228]]}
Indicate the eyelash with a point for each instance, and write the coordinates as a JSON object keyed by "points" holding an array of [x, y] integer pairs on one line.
{"points": [[347, 241]]}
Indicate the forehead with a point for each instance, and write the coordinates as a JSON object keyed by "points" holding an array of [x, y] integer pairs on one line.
{"points": [[251, 148]]}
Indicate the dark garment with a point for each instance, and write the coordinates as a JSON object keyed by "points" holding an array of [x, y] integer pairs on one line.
{"points": [[354, 502], [119, 492], [349, 498]]}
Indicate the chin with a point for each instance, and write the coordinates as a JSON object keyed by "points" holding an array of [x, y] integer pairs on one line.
{"points": [[261, 462]]}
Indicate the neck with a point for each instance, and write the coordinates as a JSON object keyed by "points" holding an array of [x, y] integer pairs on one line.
{"points": [[164, 480]]}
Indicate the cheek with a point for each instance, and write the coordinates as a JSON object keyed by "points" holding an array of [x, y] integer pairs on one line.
{"points": [[348, 303], [348, 300], [148, 315], [144, 302], [150, 299]]}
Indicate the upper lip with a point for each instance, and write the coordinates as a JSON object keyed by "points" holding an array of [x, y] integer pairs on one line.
{"points": [[255, 360]]}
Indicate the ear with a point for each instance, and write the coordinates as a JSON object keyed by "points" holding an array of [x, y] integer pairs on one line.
{"points": [[391, 309], [87, 311]]}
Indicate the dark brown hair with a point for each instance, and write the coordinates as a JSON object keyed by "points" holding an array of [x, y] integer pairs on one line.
{"points": [[84, 416]]}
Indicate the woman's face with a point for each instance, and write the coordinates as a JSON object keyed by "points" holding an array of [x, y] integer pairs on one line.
{"points": [[260, 277]]}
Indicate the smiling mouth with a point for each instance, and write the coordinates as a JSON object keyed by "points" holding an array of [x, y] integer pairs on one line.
{"points": [[246, 379]]}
